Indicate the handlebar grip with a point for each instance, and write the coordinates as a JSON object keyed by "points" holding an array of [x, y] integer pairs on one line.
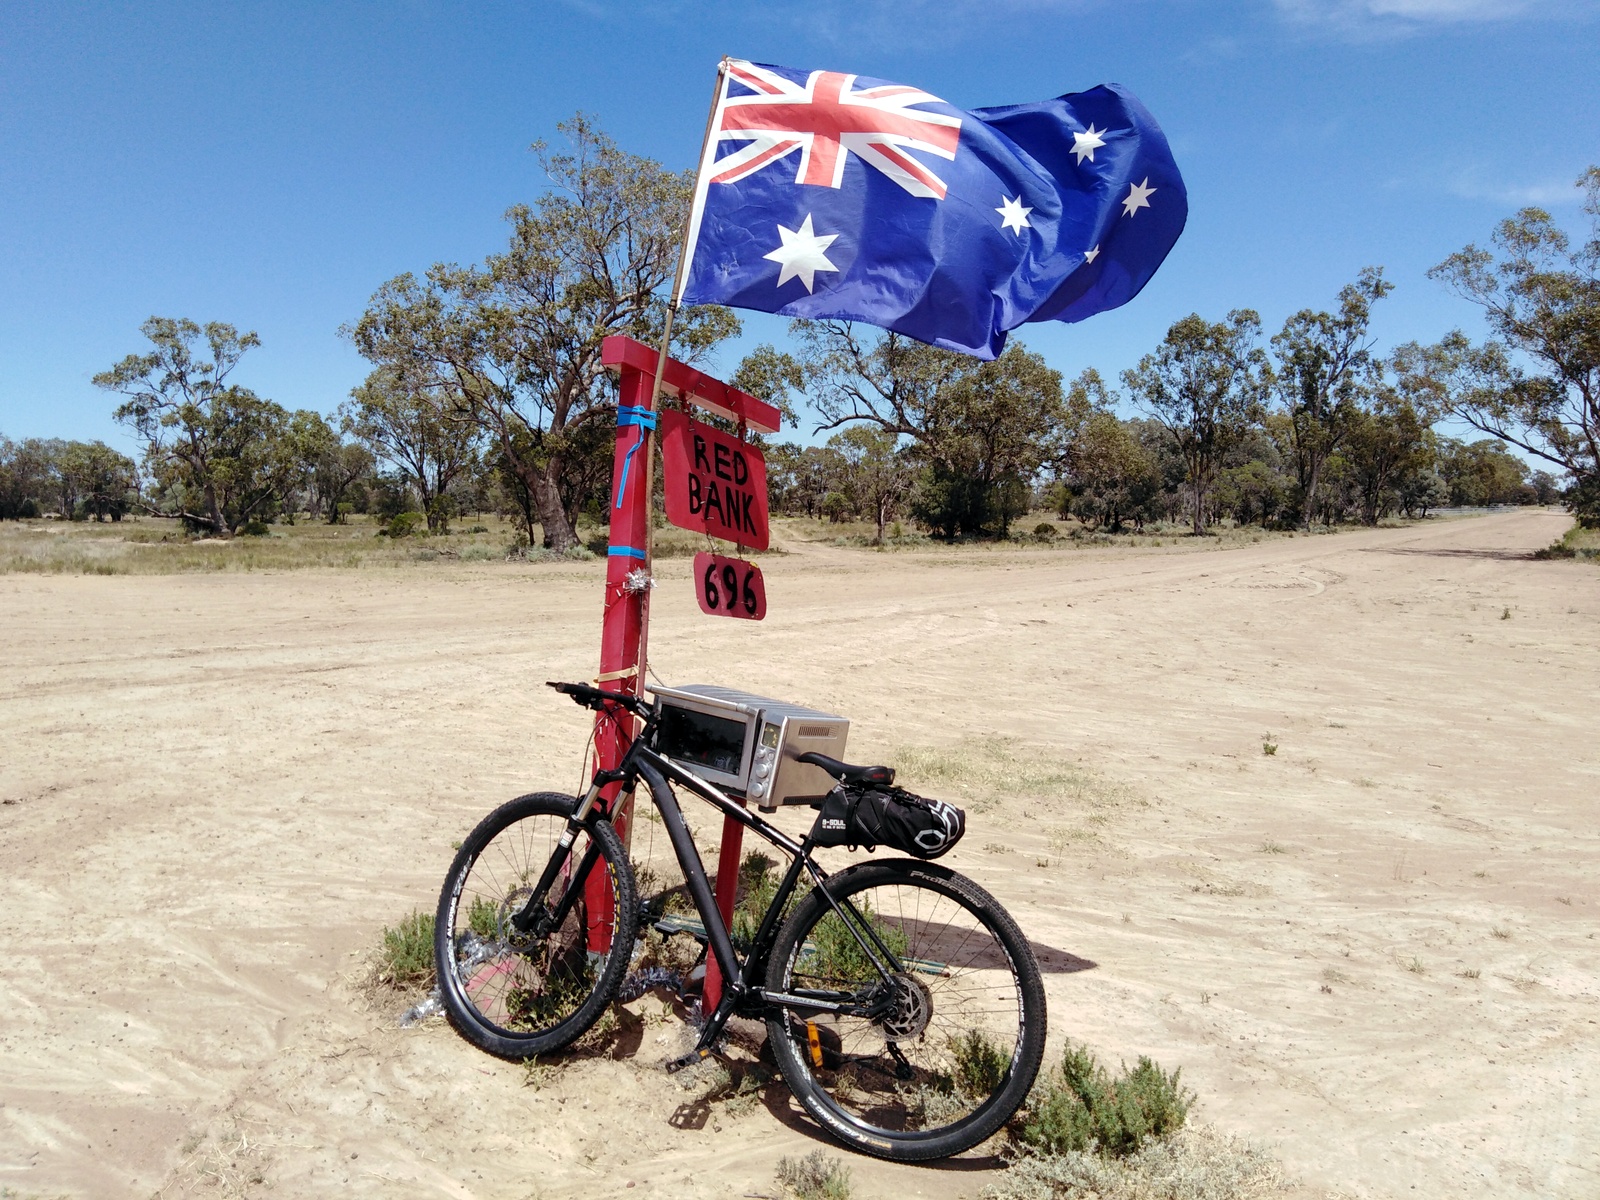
{"points": [[595, 698]]}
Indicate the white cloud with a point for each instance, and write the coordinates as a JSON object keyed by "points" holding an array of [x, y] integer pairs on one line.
{"points": [[1398, 16], [1471, 185]]}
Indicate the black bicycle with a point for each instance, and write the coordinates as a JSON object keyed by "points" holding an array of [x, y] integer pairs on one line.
{"points": [[903, 1006]]}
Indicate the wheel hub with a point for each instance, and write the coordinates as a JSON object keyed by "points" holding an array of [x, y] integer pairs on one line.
{"points": [[910, 1009], [505, 928]]}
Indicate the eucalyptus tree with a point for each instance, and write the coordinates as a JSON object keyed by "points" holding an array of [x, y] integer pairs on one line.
{"points": [[982, 430], [1204, 384], [216, 454], [1324, 373], [519, 337], [876, 472], [335, 467], [25, 477], [98, 477], [412, 419], [1540, 293]]}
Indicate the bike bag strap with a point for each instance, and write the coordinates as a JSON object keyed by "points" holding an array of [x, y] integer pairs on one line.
{"points": [[888, 816]]}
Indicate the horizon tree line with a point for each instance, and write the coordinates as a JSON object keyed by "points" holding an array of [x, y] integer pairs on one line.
{"points": [[487, 391]]}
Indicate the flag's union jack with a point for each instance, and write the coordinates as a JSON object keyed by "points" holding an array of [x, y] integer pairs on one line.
{"points": [[827, 120]]}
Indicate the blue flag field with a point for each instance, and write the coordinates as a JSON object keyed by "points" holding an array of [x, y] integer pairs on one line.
{"points": [[822, 194]]}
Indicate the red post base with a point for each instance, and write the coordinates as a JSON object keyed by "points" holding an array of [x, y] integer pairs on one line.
{"points": [[727, 887]]}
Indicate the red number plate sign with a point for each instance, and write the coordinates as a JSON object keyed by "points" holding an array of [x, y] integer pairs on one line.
{"points": [[714, 482], [729, 587]]}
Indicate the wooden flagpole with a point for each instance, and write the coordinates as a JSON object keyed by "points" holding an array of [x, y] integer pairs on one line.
{"points": [[648, 445]]}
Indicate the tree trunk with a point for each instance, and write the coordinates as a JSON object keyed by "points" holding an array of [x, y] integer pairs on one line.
{"points": [[1199, 507], [1308, 502], [214, 511], [558, 532]]}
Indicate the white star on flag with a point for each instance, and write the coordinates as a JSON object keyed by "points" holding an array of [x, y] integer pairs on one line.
{"points": [[1085, 144], [1138, 197], [1013, 215], [802, 254], [1092, 253]]}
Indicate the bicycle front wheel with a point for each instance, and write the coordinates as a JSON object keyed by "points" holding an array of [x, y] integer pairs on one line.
{"points": [[512, 993], [958, 1031]]}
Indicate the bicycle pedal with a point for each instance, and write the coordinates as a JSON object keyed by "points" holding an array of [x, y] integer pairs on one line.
{"points": [[686, 1060]]}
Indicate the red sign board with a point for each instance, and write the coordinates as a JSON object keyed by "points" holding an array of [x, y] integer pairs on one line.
{"points": [[714, 482], [729, 587]]}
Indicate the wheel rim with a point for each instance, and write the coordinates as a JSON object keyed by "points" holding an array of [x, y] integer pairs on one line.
{"points": [[948, 1044]]}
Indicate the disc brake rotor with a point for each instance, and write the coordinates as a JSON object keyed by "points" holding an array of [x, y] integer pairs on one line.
{"points": [[910, 1009]]}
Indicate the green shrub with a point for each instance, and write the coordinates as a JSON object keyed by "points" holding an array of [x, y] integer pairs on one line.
{"points": [[758, 883], [1080, 1104], [255, 528], [836, 951], [1044, 531], [406, 959], [817, 1176], [981, 1064], [405, 524]]}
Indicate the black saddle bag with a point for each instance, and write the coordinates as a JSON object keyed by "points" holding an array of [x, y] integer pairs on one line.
{"points": [[888, 816]]}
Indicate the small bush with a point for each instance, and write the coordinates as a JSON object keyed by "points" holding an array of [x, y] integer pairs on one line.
{"points": [[405, 524], [817, 1176], [981, 1065], [758, 883], [255, 528], [1081, 1105], [406, 959], [1194, 1164], [1044, 531]]}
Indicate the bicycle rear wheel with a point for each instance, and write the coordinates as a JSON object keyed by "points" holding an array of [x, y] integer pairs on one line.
{"points": [[961, 1031], [511, 993]]}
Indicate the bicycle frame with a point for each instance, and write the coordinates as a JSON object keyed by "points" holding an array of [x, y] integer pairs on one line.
{"points": [[741, 990]]}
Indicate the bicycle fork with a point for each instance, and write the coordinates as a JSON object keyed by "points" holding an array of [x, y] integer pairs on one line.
{"points": [[535, 917]]}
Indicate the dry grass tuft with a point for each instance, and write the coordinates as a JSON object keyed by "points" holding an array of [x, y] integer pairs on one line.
{"points": [[1196, 1163], [817, 1176], [226, 1160], [980, 772]]}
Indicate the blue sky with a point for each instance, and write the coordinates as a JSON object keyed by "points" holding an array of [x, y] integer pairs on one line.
{"points": [[271, 164]]}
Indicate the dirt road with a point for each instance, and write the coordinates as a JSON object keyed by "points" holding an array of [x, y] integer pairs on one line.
{"points": [[1374, 949]]}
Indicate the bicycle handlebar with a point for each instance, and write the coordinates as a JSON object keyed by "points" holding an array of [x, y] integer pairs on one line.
{"points": [[599, 698]]}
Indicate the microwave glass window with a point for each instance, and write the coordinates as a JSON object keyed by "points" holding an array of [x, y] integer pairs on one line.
{"points": [[702, 739]]}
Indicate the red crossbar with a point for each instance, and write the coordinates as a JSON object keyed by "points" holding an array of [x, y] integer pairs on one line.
{"points": [[623, 354]]}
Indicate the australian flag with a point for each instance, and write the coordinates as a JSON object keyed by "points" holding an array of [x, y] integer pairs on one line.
{"points": [[822, 194]]}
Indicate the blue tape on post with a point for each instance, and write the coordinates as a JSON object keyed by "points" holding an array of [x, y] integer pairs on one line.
{"points": [[624, 552], [644, 418]]}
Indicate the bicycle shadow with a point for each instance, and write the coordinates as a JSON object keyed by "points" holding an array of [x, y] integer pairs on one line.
{"points": [[781, 1105], [1059, 962]]}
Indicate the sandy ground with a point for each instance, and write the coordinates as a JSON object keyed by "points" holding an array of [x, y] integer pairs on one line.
{"points": [[217, 790]]}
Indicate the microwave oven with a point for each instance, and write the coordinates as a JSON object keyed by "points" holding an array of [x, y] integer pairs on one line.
{"points": [[747, 743]]}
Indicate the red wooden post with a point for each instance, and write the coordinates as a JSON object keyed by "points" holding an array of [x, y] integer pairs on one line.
{"points": [[624, 635], [627, 608], [727, 886]]}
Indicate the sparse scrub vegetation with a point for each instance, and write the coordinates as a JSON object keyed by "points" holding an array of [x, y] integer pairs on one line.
{"points": [[1080, 1105], [1196, 1163], [817, 1176], [980, 772], [405, 957]]}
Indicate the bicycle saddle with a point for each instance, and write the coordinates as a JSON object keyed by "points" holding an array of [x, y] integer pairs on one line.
{"points": [[844, 772]]}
